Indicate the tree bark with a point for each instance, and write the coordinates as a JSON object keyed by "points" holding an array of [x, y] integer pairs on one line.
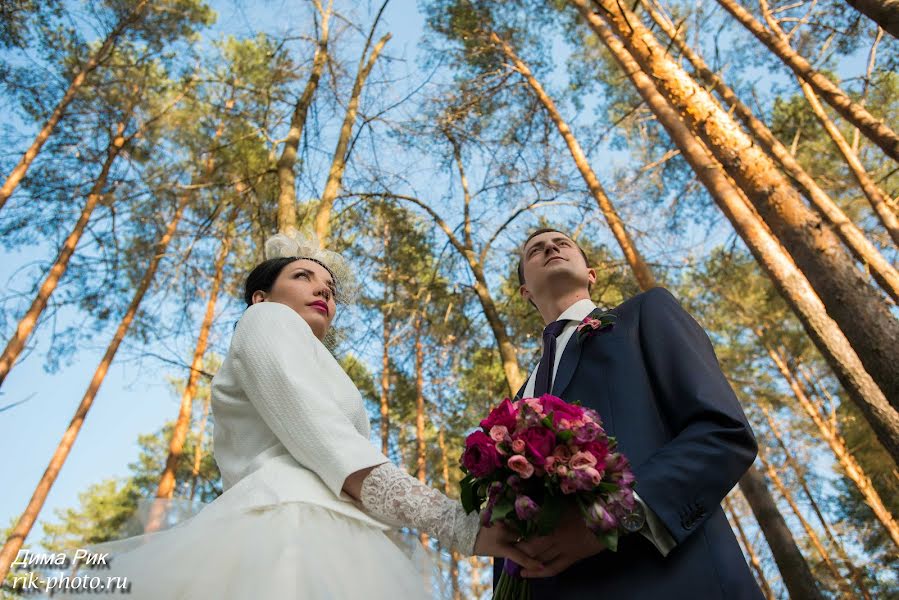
{"points": [[420, 451], [322, 220], [838, 445], [287, 193], [794, 570], [790, 282], [871, 127], [883, 12], [96, 59], [166, 488], [851, 301], [29, 516], [754, 561], [857, 576], [454, 556], [198, 448], [882, 270], [642, 272], [809, 530]]}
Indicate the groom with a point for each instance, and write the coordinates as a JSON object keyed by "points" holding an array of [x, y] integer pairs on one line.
{"points": [[655, 381]]}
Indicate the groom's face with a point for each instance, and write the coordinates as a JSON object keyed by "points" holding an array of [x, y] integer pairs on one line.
{"points": [[551, 261]]}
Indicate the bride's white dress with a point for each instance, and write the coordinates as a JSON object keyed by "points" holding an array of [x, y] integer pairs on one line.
{"points": [[290, 426]]}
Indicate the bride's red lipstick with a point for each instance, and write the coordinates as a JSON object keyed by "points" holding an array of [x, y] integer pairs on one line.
{"points": [[318, 304]]}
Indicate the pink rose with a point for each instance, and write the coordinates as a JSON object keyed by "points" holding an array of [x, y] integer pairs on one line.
{"points": [[562, 470], [480, 456], [562, 454], [567, 487], [535, 404], [498, 433], [550, 461], [504, 414], [582, 460], [518, 446], [520, 465], [560, 409], [600, 450]]}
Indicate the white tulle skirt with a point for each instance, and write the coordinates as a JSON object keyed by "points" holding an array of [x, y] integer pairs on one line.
{"points": [[286, 551]]}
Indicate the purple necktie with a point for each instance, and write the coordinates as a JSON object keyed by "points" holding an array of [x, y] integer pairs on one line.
{"points": [[545, 368]]}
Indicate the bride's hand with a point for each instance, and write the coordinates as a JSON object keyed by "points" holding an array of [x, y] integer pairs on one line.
{"points": [[499, 541]]}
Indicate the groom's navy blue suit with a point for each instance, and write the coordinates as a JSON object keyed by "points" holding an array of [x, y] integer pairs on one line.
{"points": [[655, 381]]}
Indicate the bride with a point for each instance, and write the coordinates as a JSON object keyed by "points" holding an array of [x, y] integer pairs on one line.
{"points": [[308, 501]]}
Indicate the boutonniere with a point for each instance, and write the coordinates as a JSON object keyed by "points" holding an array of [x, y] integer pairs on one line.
{"points": [[596, 322]]}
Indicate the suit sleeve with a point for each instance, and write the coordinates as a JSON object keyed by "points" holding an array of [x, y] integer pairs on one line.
{"points": [[712, 444], [274, 354]]}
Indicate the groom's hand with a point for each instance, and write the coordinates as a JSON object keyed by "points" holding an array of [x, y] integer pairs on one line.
{"points": [[570, 542], [499, 541]]}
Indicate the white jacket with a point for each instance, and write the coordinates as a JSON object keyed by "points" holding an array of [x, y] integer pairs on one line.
{"points": [[289, 425]]}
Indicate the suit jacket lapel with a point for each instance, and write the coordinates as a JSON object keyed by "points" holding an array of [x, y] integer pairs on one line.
{"points": [[570, 358]]}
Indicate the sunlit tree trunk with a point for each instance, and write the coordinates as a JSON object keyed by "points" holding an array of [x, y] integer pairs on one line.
{"points": [[871, 127], [858, 308], [838, 445], [857, 576], [642, 272], [791, 283], [322, 219], [198, 448], [96, 59], [166, 487], [29, 516], [28, 322], [793, 569], [878, 200], [420, 450], [754, 561], [385, 350], [882, 270], [287, 193], [454, 556]]}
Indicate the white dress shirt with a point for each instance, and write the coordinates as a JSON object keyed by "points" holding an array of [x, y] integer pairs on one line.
{"points": [[654, 530]]}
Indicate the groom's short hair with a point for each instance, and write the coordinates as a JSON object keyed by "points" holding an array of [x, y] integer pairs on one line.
{"points": [[532, 236]]}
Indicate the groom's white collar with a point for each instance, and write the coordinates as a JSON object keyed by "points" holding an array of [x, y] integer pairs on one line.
{"points": [[577, 311]]}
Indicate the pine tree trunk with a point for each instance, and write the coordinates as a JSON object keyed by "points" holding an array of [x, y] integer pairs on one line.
{"points": [[883, 12], [858, 308], [754, 561], [29, 516], [642, 272], [96, 59], [385, 352], [857, 576], [809, 530], [28, 322], [871, 127], [838, 445], [166, 487], [793, 569], [322, 220], [420, 451], [454, 556], [787, 278], [287, 193], [882, 270], [198, 448]]}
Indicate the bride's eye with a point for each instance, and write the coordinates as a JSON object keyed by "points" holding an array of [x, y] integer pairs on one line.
{"points": [[302, 274]]}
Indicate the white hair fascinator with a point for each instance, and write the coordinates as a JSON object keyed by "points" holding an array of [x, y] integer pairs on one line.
{"points": [[294, 244]]}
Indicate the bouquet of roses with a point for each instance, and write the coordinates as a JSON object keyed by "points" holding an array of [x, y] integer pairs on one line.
{"points": [[532, 457]]}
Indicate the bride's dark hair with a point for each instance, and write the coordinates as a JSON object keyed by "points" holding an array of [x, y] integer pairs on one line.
{"points": [[264, 275]]}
